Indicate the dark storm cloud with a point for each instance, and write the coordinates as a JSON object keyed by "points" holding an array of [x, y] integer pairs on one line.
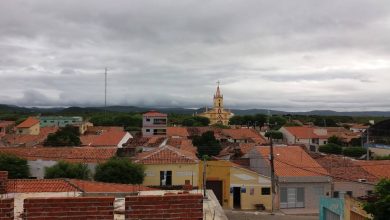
{"points": [[308, 54]]}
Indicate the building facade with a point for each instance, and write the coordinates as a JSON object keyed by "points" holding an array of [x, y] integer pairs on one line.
{"points": [[30, 126], [154, 124], [218, 115]]}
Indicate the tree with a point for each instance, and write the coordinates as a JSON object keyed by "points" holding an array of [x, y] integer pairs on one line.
{"points": [[17, 167], [335, 140], [379, 207], [330, 149], [67, 136], [120, 170], [356, 142], [354, 151], [274, 134], [207, 144], [68, 170], [195, 121]]}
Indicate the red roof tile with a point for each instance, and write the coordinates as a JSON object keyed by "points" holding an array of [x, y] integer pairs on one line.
{"points": [[177, 131], [70, 154], [292, 161], [29, 122], [28, 139], [34, 185], [153, 113], [4, 124], [167, 155], [378, 168], [304, 132], [106, 139]]}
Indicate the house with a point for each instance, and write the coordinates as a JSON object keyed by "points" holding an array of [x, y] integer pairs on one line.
{"points": [[177, 132], [154, 124], [29, 126], [349, 177], [243, 135], [106, 138], [168, 166], [344, 134], [5, 127], [28, 140], [311, 137], [63, 121], [236, 186], [39, 158], [300, 179], [359, 128]]}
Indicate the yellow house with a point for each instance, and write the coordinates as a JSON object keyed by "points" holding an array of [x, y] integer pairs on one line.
{"points": [[353, 209], [217, 115], [29, 126], [235, 186], [168, 166]]}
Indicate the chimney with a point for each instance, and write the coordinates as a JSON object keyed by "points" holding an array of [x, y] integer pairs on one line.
{"points": [[3, 181]]}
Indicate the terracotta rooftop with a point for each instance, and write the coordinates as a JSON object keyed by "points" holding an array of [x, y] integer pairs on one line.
{"points": [[70, 154], [153, 113], [6, 123], [28, 139], [343, 168], [177, 131], [378, 168], [145, 141], [35, 185], [304, 132], [167, 155], [109, 138], [292, 161], [29, 122]]}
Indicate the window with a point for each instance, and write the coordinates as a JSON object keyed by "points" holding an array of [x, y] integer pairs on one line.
{"points": [[166, 178], [147, 130], [283, 195], [159, 131], [160, 121], [369, 192], [336, 194], [349, 193], [148, 119], [266, 191], [324, 142], [300, 195]]}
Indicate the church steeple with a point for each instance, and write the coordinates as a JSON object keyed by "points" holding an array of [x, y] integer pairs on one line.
{"points": [[218, 93]]}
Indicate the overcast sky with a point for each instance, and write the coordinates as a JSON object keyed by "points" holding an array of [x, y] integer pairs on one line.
{"points": [[285, 55]]}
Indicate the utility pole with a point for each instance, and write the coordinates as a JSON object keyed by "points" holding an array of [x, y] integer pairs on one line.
{"points": [[204, 178], [105, 92], [368, 144], [271, 159]]}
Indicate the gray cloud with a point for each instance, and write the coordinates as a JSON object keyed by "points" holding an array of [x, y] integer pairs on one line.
{"points": [[299, 54]]}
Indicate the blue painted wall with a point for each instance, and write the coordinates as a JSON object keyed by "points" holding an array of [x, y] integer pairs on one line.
{"points": [[335, 205]]}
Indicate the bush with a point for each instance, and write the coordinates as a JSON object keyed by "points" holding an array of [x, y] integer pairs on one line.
{"points": [[354, 151], [335, 140], [120, 170], [17, 167], [68, 170], [67, 136], [330, 149], [274, 134]]}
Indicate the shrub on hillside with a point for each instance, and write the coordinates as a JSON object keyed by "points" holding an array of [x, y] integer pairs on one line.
{"points": [[354, 151], [330, 149]]}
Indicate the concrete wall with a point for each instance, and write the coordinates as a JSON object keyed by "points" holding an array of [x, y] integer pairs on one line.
{"points": [[312, 199], [33, 130], [124, 139], [358, 189], [59, 121], [180, 173]]}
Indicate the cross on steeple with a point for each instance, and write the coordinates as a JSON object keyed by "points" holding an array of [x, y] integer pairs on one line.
{"points": [[218, 82]]}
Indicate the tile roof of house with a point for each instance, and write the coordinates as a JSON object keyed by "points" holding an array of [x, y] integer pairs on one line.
{"points": [[154, 113], [167, 155], [377, 168], [69, 185], [29, 122], [70, 154], [343, 168], [108, 138], [292, 161], [304, 132], [177, 131], [182, 143], [28, 139], [95, 130], [92, 186], [35, 185], [145, 141], [6, 123]]}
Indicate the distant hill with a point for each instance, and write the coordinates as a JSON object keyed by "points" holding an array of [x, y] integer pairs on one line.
{"points": [[179, 110]]}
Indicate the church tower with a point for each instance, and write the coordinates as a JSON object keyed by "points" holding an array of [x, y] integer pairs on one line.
{"points": [[217, 114]]}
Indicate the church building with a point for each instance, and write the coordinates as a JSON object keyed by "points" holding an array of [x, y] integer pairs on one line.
{"points": [[218, 115]]}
